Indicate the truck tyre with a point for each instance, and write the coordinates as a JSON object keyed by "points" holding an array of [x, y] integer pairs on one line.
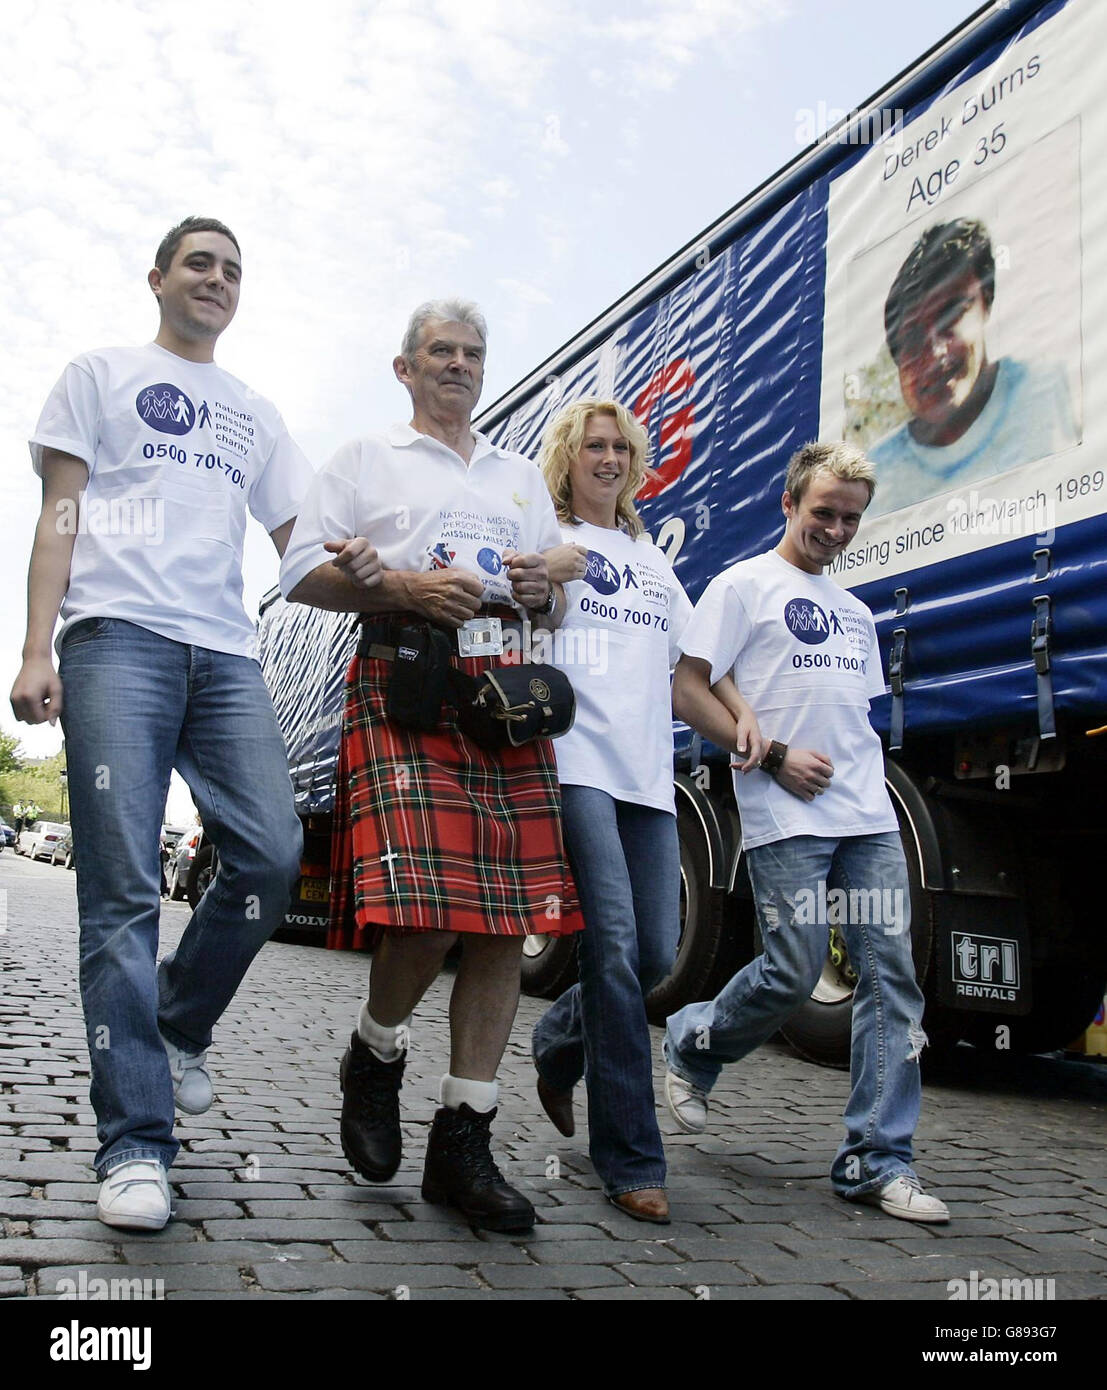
{"points": [[549, 965], [821, 1029], [199, 876], [707, 953]]}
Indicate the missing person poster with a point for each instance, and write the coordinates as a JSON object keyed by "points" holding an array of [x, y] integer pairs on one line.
{"points": [[964, 293]]}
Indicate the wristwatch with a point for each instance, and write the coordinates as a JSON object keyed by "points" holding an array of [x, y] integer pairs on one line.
{"points": [[546, 608]]}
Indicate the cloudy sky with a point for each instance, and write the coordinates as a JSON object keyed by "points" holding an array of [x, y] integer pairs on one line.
{"points": [[537, 157]]}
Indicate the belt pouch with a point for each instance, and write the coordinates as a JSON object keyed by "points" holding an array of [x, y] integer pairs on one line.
{"points": [[418, 682], [507, 706]]}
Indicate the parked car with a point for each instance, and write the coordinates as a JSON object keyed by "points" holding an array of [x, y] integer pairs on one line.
{"points": [[173, 835], [190, 868], [181, 857], [37, 841], [204, 864], [62, 853], [7, 835]]}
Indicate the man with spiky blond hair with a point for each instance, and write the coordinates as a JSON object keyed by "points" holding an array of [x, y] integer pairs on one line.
{"points": [[818, 828]]}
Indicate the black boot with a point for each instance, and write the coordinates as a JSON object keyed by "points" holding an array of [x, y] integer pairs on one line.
{"points": [[371, 1110], [460, 1172]]}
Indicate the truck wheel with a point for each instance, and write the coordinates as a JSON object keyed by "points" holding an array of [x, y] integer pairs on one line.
{"points": [[199, 876], [706, 950], [821, 1029], [549, 965]]}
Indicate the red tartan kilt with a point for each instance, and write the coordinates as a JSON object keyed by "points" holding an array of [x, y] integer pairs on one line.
{"points": [[476, 835]]}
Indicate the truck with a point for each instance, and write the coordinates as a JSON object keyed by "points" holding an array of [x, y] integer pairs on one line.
{"points": [[805, 313]]}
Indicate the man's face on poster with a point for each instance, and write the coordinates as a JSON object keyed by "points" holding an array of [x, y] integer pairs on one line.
{"points": [[941, 352]]}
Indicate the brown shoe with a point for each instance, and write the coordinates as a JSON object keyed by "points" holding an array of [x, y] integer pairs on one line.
{"points": [[647, 1204], [558, 1105]]}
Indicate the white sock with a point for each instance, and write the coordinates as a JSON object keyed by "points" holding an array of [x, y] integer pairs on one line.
{"points": [[456, 1091], [384, 1042]]}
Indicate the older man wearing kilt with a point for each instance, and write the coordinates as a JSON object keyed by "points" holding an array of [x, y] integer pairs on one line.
{"points": [[431, 531]]}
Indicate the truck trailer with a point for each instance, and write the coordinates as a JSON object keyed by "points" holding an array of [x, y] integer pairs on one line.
{"points": [[936, 257]]}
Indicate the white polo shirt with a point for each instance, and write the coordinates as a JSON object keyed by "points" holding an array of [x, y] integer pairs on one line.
{"points": [[423, 508]]}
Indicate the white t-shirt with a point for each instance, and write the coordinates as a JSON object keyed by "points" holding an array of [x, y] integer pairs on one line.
{"points": [[176, 451], [803, 651], [422, 508], [618, 642]]}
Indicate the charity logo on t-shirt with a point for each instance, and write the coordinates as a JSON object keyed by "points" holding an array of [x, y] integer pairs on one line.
{"points": [[812, 624], [806, 620], [169, 410], [601, 573], [643, 589], [165, 407], [441, 556], [476, 540]]}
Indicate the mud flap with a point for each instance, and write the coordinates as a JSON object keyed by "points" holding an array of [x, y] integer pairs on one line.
{"points": [[983, 950]]}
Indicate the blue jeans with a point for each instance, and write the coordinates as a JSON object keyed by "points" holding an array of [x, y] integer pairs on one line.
{"points": [[793, 886], [626, 863], [134, 706]]}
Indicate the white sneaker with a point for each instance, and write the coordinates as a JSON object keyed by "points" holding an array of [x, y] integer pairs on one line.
{"points": [[191, 1082], [135, 1195], [687, 1103], [904, 1197]]}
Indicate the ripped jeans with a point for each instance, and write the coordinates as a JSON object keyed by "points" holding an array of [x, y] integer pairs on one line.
{"points": [[794, 885]]}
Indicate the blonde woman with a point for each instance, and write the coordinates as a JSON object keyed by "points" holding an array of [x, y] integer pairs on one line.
{"points": [[615, 767]]}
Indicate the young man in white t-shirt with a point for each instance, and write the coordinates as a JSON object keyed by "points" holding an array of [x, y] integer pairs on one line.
{"points": [[149, 458], [819, 833]]}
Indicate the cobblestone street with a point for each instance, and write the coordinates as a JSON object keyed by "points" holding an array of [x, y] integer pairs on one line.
{"points": [[267, 1206]]}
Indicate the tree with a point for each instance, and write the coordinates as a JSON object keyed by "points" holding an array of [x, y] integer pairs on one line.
{"points": [[10, 759], [36, 780]]}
